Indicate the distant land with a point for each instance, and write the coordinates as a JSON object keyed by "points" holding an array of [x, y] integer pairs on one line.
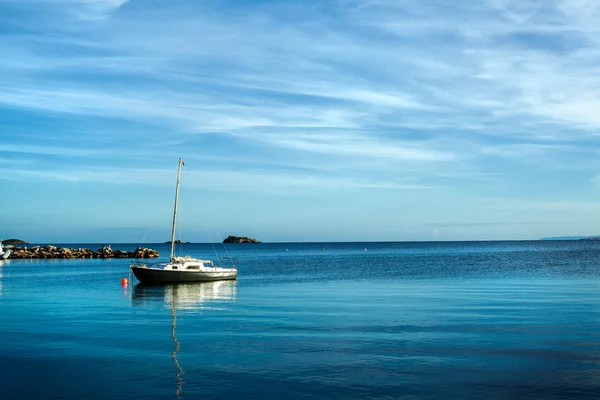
{"points": [[572, 238], [14, 241], [240, 239], [178, 242]]}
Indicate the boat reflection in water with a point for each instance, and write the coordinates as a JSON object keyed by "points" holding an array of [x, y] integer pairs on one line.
{"points": [[2, 263], [184, 296]]}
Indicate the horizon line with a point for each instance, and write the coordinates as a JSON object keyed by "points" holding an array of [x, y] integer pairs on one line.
{"points": [[569, 238]]}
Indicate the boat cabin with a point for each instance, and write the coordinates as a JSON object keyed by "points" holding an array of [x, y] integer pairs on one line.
{"points": [[188, 264]]}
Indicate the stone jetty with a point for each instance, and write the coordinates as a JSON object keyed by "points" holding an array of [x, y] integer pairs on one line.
{"points": [[64, 252]]}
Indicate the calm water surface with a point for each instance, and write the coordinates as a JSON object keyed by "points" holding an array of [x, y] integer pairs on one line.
{"points": [[462, 320]]}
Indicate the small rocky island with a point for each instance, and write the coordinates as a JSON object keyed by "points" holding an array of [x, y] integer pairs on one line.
{"points": [[64, 252], [14, 241], [240, 239]]}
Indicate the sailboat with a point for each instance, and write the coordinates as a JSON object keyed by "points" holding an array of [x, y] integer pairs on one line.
{"points": [[182, 268]]}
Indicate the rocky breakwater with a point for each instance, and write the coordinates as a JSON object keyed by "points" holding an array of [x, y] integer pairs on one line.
{"points": [[64, 252]]}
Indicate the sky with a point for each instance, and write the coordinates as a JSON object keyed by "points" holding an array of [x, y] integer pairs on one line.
{"points": [[340, 120]]}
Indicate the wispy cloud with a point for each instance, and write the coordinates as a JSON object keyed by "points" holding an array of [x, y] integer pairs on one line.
{"points": [[94, 9], [362, 94], [68, 151], [359, 145], [222, 180]]}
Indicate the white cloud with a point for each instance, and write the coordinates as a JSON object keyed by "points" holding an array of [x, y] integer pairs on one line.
{"points": [[68, 151], [281, 183], [423, 86], [357, 145], [94, 9]]}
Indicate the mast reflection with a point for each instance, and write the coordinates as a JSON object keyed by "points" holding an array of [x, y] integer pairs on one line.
{"points": [[183, 296], [175, 350]]}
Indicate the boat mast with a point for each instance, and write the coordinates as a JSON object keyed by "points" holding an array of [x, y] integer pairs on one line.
{"points": [[175, 211]]}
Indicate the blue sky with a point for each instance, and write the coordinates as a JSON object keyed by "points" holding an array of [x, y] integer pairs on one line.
{"points": [[299, 121]]}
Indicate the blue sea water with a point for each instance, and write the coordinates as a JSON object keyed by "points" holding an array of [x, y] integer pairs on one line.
{"points": [[465, 320]]}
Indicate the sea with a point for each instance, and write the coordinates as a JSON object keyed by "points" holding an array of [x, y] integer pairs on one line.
{"points": [[423, 320]]}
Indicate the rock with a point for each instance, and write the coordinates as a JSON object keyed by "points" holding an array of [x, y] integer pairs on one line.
{"points": [[144, 253], [240, 239]]}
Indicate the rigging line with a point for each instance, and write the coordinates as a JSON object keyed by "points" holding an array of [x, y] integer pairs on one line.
{"points": [[226, 251], [144, 239], [180, 243], [202, 222], [214, 248]]}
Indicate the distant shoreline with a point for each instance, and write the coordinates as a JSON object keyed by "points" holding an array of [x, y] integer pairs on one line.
{"points": [[572, 238]]}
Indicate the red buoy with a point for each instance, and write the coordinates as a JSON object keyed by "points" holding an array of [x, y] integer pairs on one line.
{"points": [[124, 281]]}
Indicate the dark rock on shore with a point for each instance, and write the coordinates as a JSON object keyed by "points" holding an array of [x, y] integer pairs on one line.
{"points": [[64, 252], [240, 239]]}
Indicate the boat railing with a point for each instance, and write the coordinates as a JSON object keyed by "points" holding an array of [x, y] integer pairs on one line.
{"points": [[138, 264], [183, 259]]}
